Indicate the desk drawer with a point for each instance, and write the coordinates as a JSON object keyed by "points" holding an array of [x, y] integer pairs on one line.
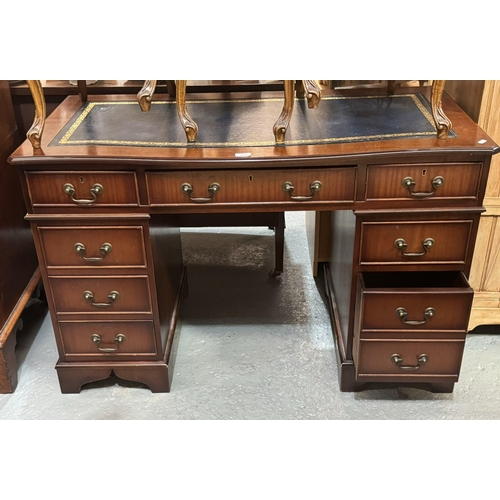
{"points": [[392, 360], [65, 247], [411, 304], [82, 189], [101, 295], [250, 186], [109, 339], [418, 243], [423, 181]]}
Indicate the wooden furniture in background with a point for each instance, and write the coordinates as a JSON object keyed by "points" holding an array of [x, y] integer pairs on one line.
{"points": [[110, 254], [481, 101], [19, 274]]}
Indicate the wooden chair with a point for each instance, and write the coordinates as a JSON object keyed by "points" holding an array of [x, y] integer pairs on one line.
{"points": [[310, 89]]}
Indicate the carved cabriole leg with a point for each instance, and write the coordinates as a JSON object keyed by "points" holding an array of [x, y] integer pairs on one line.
{"points": [[281, 126], [443, 124], [187, 122], [34, 134], [312, 92], [145, 95]]}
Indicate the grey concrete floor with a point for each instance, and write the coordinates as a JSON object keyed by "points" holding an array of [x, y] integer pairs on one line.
{"points": [[250, 347]]}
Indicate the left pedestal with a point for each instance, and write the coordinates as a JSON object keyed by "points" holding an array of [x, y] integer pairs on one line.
{"points": [[113, 287]]}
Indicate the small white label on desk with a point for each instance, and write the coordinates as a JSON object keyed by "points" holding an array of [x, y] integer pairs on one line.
{"points": [[242, 155], [482, 141]]}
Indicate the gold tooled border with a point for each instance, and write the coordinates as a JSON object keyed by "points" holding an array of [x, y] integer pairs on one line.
{"points": [[65, 140]]}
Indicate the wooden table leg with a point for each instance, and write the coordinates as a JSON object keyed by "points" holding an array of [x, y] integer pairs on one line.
{"points": [[82, 89], [171, 88], [281, 125], [279, 246], [34, 134], [443, 124], [187, 122], [145, 95]]}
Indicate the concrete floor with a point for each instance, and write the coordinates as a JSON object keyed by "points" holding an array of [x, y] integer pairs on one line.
{"points": [[250, 347]]}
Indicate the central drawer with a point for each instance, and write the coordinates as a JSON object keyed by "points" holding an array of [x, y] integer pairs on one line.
{"points": [[251, 186], [101, 295]]}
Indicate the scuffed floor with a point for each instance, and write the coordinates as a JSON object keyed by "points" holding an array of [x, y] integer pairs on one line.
{"points": [[250, 347]]}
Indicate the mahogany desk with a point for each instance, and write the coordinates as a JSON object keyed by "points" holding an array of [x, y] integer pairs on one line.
{"points": [[405, 210]]}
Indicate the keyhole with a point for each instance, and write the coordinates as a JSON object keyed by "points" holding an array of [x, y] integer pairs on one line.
{"points": [[81, 180], [424, 172], [250, 178]]}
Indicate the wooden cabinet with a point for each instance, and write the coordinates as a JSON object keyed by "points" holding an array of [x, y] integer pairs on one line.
{"points": [[19, 274], [481, 100], [113, 305]]}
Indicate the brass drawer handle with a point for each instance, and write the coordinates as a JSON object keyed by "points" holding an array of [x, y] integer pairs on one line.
{"points": [[401, 244], [402, 314], [105, 249], [409, 183], [95, 191], [212, 190], [119, 339], [288, 187], [112, 296], [398, 360]]}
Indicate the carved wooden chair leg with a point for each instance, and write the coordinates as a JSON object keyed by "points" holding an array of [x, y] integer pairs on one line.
{"points": [[34, 134], [313, 93], [443, 124], [281, 125], [145, 95], [187, 122]]}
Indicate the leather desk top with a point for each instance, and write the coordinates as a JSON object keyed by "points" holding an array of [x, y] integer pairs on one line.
{"points": [[249, 122]]}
